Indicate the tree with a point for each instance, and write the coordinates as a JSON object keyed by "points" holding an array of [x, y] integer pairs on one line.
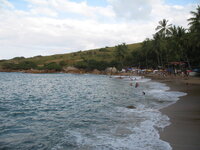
{"points": [[194, 36], [120, 53], [171, 43], [163, 28], [180, 37], [157, 48], [146, 48], [160, 41], [194, 22]]}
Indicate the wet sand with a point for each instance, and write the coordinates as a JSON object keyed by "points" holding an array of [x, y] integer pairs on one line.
{"points": [[184, 131]]}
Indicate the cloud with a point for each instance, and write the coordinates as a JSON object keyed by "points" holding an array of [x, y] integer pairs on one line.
{"points": [[176, 14], [132, 9], [31, 34], [38, 2], [66, 6], [44, 11], [6, 4], [40, 30]]}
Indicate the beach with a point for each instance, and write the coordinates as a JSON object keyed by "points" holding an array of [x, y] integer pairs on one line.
{"points": [[184, 131]]}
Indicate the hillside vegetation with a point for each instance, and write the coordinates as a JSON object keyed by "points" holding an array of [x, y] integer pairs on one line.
{"points": [[96, 57]]}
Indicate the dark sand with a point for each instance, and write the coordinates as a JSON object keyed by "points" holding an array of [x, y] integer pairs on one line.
{"points": [[184, 131]]}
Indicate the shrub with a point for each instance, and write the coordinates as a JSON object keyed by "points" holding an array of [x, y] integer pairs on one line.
{"points": [[62, 63], [103, 49], [52, 66], [8, 65], [25, 65], [92, 64], [3, 60], [81, 65], [19, 58]]}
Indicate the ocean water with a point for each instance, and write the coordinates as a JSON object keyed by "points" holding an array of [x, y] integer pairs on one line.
{"points": [[82, 112]]}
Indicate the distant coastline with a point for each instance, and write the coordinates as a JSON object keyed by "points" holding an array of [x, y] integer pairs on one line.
{"points": [[78, 71]]}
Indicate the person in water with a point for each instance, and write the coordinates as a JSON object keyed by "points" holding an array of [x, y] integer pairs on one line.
{"points": [[136, 85]]}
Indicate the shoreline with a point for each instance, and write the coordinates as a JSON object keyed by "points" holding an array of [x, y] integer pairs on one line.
{"points": [[183, 133]]}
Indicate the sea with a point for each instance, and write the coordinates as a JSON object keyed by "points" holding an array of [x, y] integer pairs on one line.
{"points": [[82, 112]]}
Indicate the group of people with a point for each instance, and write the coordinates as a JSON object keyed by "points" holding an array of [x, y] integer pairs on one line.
{"points": [[137, 85], [131, 84]]}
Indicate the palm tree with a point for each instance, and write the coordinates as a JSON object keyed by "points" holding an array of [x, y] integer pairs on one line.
{"points": [[194, 22], [179, 43], [157, 47], [145, 49], [177, 32], [163, 28], [173, 31]]}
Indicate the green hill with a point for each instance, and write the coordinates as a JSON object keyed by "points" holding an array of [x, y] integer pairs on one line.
{"points": [[105, 54]]}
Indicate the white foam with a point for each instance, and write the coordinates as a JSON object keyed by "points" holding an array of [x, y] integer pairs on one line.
{"points": [[143, 136], [170, 96], [133, 78], [161, 92], [128, 77]]}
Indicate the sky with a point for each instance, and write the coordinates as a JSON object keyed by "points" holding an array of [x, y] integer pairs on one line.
{"points": [[45, 27]]}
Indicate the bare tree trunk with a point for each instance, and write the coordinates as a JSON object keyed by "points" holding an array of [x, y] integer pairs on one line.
{"points": [[167, 60], [161, 60], [158, 59], [146, 62]]}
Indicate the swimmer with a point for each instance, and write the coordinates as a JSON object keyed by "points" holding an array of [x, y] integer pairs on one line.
{"points": [[136, 85]]}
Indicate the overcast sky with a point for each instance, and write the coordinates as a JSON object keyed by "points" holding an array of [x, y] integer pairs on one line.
{"points": [[44, 27]]}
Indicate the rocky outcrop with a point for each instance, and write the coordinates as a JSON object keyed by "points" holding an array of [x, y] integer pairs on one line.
{"points": [[71, 69], [38, 71], [131, 107], [111, 70], [95, 71]]}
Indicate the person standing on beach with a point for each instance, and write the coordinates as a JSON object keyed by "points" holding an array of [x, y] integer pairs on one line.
{"points": [[175, 71]]}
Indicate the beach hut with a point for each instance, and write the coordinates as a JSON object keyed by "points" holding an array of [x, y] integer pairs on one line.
{"points": [[177, 67]]}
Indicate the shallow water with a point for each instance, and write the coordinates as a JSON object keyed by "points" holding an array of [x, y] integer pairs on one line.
{"points": [[82, 112]]}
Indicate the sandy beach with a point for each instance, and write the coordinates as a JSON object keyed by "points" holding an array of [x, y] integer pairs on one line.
{"points": [[184, 131]]}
